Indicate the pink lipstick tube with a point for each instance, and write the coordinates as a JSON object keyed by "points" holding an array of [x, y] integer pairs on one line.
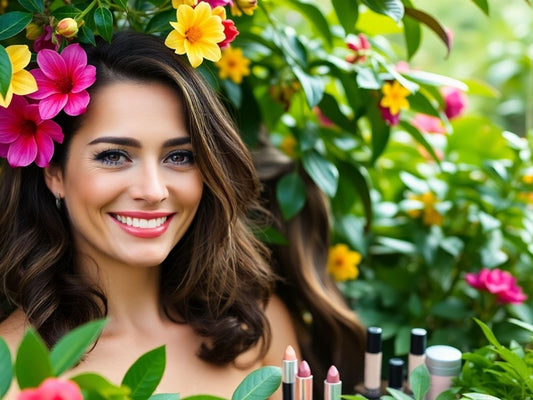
{"points": [[304, 382], [332, 385]]}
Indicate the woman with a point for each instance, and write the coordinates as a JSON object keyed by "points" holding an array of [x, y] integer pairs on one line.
{"points": [[328, 330], [141, 217]]}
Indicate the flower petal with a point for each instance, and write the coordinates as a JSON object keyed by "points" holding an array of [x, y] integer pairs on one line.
{"points": [[50, 106], [194, 54], [46, 87], [52, 64], [77, 103], [45, 146], [52, 129], [23, 83], [175, 41], [22, 151], [20, 56], [84, 78]]}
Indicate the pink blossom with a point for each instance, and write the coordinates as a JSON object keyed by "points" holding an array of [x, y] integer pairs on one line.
{"points": [[360, 48], [389, 118], [216, 3], [455, 101], [47, 40], [230, 31], [62, 80], [52, 389], [498, 282], [429, 124], [25, 136]]}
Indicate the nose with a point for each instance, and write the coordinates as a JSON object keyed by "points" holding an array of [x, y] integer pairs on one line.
{"points": [[150, 184]]}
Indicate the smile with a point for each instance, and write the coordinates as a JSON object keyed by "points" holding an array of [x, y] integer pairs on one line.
{"points": [[141, 222]]}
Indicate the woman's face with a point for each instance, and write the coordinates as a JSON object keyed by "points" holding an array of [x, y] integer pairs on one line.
{"points": [[130, 184]]}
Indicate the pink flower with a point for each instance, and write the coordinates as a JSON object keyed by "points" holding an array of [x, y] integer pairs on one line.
{"points": [[47, 40], [216, 3], [52, 389], [498, 282], [455, 101], [429, 124], [62, 80], [360, 48], [230, 31], [25, 136], [389, 118]]}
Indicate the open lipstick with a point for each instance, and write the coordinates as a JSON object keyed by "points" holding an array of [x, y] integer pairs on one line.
{"points": [[304, 382], [332, 385], [289, 373]]}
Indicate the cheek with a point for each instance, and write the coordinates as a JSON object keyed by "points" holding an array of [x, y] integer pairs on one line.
{"points": [[192, 189]]}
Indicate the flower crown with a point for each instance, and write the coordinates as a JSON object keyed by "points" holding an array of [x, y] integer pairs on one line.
{"points": [[30, 99]]}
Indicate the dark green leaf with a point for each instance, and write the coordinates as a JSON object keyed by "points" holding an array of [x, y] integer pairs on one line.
{"points": [[313, 86], [330, 108], [353, 176], [34, 6], [95, 383], [413, 35], [66, 12], [347, 13], [32, 364], [290, 193], [6, 368], [419, 102], [69, 350], [249, 116], [233, 91], [145, 374], [390, 8], [123, 4], [483, 5], [380, 132], [323, 172], [419, 382], [432, 24], [415, 133], [315, 16], [86, 35], [6, 71], [259, 384], [103, 20], [160, 22], [13, 22]]}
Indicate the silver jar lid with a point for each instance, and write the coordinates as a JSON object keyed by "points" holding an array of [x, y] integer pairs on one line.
{"points": [[443, 360]]}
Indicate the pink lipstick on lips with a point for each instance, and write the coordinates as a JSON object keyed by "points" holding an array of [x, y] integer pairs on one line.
{"points": [[304, 382], [332, 385], [143, 224]]}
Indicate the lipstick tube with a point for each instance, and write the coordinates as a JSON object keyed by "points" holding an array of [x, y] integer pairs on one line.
{"points": [[289, 374], [373, 359], [304, 382], [332, 385]]}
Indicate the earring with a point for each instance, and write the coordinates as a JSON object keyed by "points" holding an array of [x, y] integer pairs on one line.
{"points": [[59, 202]]}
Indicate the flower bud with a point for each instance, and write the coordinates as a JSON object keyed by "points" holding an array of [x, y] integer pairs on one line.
{"points": [[33, 31], [67, 27]]}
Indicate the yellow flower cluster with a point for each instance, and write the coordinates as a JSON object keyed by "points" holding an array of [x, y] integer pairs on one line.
{"points": [[430, 216], [342, 263]]}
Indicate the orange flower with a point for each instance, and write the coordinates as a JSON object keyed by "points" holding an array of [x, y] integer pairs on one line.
{"points": [[342, 263], [233, 65], [394, 97]]}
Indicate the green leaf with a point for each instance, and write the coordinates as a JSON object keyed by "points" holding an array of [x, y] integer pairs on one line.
{"points": [[103, 20], [6, 71], [432, 79], [259, 384], [145, 374], [390, 8], [203, 397], [32, 364], [6, 368], [483, 5], [480, 396], [419, 382], [315, 16], [123, 4], [66, 12], [70, 348], [233, 91], [419, 102], [173, 396], [398, 395], [346, 13], [432, 24], [92, 382], [488, 334], [34, 6], [380, 132], [290, 193], [86, 35], [413, 35], [323, 172], [13, 23], [313, 86], [355, 176], [415, 133], [330, 108], [160, 22]]}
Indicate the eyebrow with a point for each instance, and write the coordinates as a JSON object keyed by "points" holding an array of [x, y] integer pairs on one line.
{"points": [[125, 141]]}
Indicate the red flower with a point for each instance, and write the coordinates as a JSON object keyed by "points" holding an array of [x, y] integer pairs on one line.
{"points": [[498, 282], [389, 118], [52, 389], [25, 136], [230, 31], [455, 101]]}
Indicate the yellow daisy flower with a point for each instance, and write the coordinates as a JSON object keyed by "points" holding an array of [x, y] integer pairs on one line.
{"points": [[196, 33], [394, 97], [233, 65], [342, 263], [177, 3], [22, 82]]}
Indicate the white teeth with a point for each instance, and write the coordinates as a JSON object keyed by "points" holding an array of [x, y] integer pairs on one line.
{"points": [[141, 222]]}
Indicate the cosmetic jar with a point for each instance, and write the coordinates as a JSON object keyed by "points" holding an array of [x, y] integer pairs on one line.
{"points": [[443, 363]]}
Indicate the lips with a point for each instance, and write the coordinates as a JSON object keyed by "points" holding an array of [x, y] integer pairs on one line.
{"points": [[143, 225]]}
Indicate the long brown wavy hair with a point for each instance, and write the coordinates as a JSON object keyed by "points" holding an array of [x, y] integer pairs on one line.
{"points": [[202, 277], [328, 331]]}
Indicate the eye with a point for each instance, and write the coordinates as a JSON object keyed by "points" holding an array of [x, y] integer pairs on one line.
{"points": [[180, 157], [112, 158]]}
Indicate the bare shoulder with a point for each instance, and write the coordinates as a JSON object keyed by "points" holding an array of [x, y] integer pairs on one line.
{"points": [[282, 329], [12, 330]]}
